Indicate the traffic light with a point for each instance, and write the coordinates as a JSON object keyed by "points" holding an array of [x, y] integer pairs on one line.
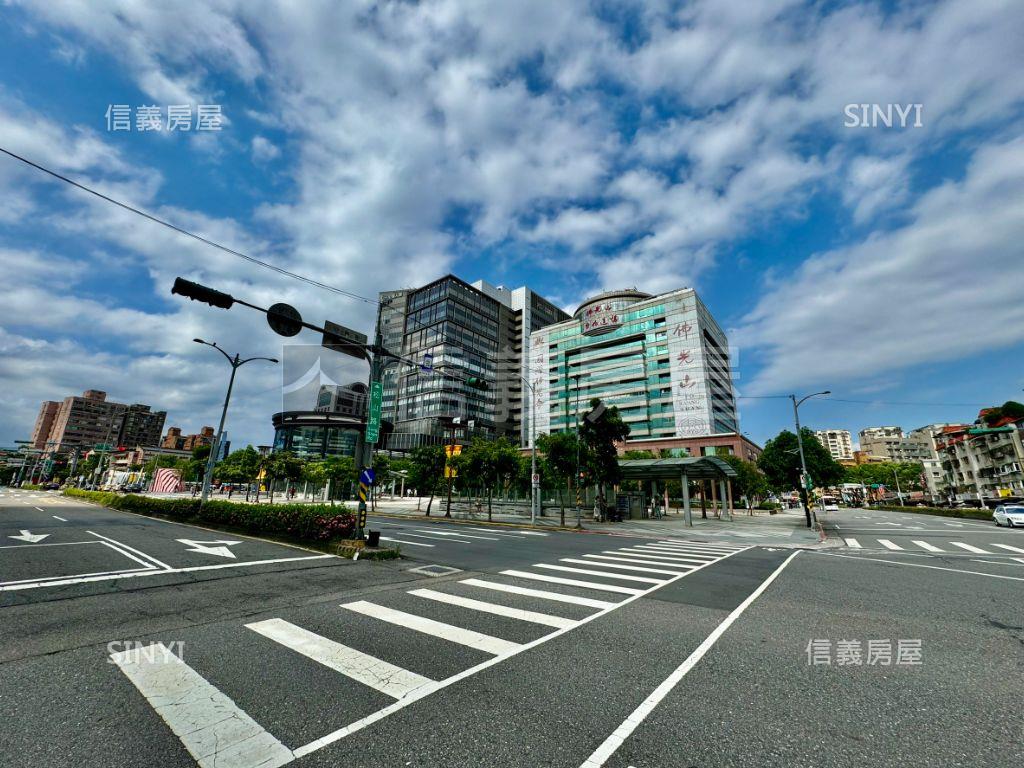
{"points": [[197, 292], [476, 382]]}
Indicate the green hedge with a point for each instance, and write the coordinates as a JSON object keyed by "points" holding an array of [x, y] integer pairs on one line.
{"points": [[969, 513], [301, 522], [31, 487]]}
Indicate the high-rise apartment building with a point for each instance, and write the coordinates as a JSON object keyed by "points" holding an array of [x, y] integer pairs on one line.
{"points": [[662, 360], [453, 331], [90, 420], [837, 442], [141, 426], [892, 444], [44, 423]]}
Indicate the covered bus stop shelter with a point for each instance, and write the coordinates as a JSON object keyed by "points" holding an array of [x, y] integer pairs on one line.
{"points": [[688, 469]]}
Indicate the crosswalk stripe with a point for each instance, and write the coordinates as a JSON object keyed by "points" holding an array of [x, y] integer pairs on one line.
{"points": [[618, 566], [721, 548], [410, 543], [969, 547], [852, 543], [430, 538], [498, 610], [926, 545], [889, 545], [677, 551], [603, 574], [515, 535], [557, 597], [449, 632], [453, 533], [625, 557], [361, 667], [655, 555], [573, 582], [1008, 547], [214, 730]]}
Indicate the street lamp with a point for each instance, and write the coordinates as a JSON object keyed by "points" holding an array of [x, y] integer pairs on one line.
{"points": [[800, 446], [235, 362], [899, 492], [534, 490], [579, 501]]}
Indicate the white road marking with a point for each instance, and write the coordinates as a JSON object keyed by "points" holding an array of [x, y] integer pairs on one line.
{"points": [[920, 565], [452, 533], [131, 549], [40, 509], [852, 543], [410, 543], [723, 548], [215, 731], [205, 548], [430, 538], [572, 582], [623, 557], [33, 538], [614, 741], [889, 545], [125, 553], [557, 597], [617, 566], [602, 574], [56, 517], [681, 550], [654, 554], [361, 667], [380, 714], [516, 535], [929, 547], [154, 572], [1008, 547], [969, 547], [467, 637], [498, 610]]}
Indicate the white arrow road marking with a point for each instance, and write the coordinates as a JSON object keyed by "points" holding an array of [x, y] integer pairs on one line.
{"points": [[203, 547], [32, 538]]}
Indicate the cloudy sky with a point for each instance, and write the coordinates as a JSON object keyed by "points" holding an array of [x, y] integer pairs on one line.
{"points": [[572, 146]]}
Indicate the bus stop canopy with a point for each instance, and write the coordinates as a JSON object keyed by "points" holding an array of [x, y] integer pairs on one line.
{"points": [[694, 467]]}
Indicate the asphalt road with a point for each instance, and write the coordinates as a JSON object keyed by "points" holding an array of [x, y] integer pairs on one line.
{"points": [[559, 650]]}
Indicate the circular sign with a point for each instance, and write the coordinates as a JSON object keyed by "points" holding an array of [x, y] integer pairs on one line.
{"points": [[284, 319]]}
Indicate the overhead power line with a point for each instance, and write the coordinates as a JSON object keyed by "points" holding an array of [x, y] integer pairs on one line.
{"points": [[869, 402], [187, 233]]}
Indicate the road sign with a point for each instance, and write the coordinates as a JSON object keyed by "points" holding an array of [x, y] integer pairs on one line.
{"points": [[535, 479], [373, 424], [367, 476], [344, 340], [284, 320]]}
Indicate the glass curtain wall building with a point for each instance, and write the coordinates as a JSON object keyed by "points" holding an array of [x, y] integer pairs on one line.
{"points": [[662, 360]]}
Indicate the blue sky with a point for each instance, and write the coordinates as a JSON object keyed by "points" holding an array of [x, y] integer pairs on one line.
{"points": [[572, 146]]}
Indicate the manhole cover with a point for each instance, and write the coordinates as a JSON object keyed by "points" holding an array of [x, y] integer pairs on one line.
{"points": [[435, 570]]}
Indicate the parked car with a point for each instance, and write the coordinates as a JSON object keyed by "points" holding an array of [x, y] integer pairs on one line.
{"points": [[1007, 515]]}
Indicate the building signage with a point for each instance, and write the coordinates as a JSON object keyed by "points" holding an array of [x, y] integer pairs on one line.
{"points": [[601, 318]]}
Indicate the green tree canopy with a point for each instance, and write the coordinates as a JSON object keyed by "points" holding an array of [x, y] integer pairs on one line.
{"points": [[885, 473], [780, 461], [426, 470], [750, 481], [600, 429]]}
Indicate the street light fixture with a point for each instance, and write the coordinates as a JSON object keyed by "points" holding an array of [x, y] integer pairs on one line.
{"points": [[800, 445], [235, 362]]}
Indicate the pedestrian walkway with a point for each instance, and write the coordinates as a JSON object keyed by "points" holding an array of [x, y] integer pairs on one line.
{"points": [[946, 547], [393, 649]]}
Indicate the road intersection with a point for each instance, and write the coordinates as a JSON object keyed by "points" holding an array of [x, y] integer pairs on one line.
{"points": [[562, 649]]}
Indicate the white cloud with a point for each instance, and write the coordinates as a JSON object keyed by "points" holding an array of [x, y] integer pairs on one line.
{"points": [[944, 286]]}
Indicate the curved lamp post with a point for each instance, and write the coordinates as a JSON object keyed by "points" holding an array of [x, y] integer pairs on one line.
{"points": [[235, 362], [800, 446]]}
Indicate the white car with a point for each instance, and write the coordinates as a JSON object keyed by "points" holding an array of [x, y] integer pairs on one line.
{"points": [[1009, 516]]}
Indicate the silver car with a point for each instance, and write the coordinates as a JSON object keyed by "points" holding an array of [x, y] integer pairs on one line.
{"points": [[1009, 516]]}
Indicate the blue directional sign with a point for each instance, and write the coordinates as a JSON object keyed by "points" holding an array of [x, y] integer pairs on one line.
{"points": [[366, 476]]}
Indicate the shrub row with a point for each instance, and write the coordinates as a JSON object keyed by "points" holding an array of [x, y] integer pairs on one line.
{"points": [[31, 487], [301, 522], [964, 512]]}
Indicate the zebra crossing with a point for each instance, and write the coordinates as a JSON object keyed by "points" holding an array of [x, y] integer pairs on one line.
{"points": [[491, 617], [947, 547], [428, 537]]}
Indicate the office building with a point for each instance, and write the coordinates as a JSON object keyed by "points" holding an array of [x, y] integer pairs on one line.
{"points": [[349, 400], [452, 331], [662, 360], [837, 442]]}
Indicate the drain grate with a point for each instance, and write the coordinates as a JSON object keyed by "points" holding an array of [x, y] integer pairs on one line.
{"points": [[435, 570]]}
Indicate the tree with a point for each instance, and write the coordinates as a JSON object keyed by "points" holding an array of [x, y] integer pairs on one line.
{"points": [[884, 473], [339, 470], [559, 462], [281, 466], [426, 470], [780, 462], [750, 481], [600, 429], [239, 466], [490, 463]]}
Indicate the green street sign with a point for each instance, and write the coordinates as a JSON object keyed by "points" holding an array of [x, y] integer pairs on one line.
{"points": [[102, 447], [376, 400]]}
